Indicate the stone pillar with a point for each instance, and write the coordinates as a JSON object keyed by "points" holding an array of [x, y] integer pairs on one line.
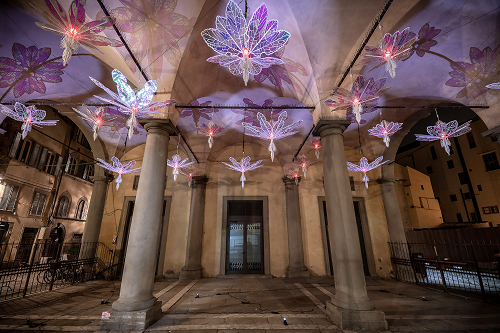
{"points": [[350, 308], [193, 269], [296, 267], [137, 308], [392, 212], [94, 213]]}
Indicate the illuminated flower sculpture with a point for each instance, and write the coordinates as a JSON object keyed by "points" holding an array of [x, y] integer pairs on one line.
{"points": [[444, 131], [96, 118], [293, 174], [268, 131], [245, 48], [391, 48], [362, 98], [495, 85], [188, 172], [29, 115], [75, 28], [211, 130], [384, 130], [177, 164], [316, 143], [303, 162], [121, 169], [364, 167], [243, 167], [135, 105]]}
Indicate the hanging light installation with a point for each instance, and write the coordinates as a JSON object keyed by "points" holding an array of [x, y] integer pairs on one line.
{"points": [[293, 174], [384, 130], [96, 118], [391, 48], [272, 131], [363, 94], [245, 48], [135, 105], [121, 169], [211, 130], [188, 172], [75, 28], [176, 163], [303, 162], [316, 143], [495, 85], [444, 131], [243, 166], [364, 167], [29, 115]]}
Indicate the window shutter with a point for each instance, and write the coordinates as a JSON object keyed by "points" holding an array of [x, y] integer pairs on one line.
{"points": [[58, 166], [15, 146], [41, 204], [5, 197], [12, 198], [43, 158], [34, 154], [85, 172], [34, 204], [68, 162]]}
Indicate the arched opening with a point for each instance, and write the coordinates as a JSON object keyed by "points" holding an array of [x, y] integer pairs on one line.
{"points": [[63, 206]]}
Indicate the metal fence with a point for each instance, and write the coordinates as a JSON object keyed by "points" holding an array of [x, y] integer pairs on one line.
{"points": [[469, 269], [50, 266]]}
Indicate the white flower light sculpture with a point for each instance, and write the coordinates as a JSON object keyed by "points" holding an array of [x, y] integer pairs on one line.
{"points": [[177, 164], [96, 118], [268, 131], [121, 169], [364, 167], [136, 105], [303, 162], [444, 131], [29, 115], [495, 85], [243, 167], [384, 130], [211, 130]]}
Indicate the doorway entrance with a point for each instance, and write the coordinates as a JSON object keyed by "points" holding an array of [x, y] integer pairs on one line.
{"points": [[245, 237], [25, 245]]}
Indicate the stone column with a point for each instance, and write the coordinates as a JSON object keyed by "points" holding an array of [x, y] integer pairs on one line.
{"points": [[193, 269], [350, 308], [392, 212], [94, 213], [137, 308], [296, 267]]}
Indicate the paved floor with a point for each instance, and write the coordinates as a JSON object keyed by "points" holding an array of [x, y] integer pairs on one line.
{"points": [[252, 305]]}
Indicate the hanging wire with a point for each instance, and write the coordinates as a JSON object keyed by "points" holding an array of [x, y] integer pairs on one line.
{"points": [[245, 114], [359, 140], [178, 141], [435, 109]]}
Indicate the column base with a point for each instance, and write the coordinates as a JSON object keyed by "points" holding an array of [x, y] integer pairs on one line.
{"points": [[191, 274], [297, 272], [132, 320], [348, 319]]}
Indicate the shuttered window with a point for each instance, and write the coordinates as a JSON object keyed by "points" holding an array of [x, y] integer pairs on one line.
{"points": [[62, 210], [38, 204], [8, 197], [34, 154], [15, 146], [43, 159]]}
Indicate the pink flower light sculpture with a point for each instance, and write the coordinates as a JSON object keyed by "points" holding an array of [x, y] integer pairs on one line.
{"points": [[364, 167], [444, 131], [303, 162], [384, 130], [271, 132], [243, 166], [316, 146], [177, 164], [29, 115], [121, 169], [293, 174], [211, 130], [96, 118], [391, 48]]}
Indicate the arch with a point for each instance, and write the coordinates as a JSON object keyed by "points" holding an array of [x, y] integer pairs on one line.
{"points": [[81, 209], [63, 205]]}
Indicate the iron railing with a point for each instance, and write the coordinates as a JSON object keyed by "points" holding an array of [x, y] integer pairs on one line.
{"points": [[43, 266], [470, 269]]}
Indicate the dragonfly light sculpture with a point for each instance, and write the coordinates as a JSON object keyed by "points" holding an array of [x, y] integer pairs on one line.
{"points": [[303, 162], [211, 130], [384, 130], [245, 48], [444, 131], [29, 115], [135, 105], [243, 166], [118, 167], [316, 143], [96, 118], [176, 163], [272, 131], [364, 167]]}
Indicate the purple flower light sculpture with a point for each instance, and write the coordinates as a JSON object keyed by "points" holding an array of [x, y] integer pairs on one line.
{"points": [[243, 167], [391, 48], [245, 48], [364, 167], [96, 118], [29, 115], [495, 85], [364, 93], [444, 131], [121, 169], [275, 131], [211, 130], [176, 163], [384, 130]]}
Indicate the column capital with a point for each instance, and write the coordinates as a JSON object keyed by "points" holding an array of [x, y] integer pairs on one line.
{"points": [[383, 181], [291, 181], [326, 126], [198, 181], [154, 125]]}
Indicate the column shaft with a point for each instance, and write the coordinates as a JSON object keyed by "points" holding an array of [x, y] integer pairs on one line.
{"points": [[392, 212]]}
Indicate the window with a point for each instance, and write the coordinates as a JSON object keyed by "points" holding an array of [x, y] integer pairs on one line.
{"points": [[72, 166], [80, 138], [62, 210], [422, 187], [25, 151], [459, 217], [472, 142], [433, 153], [467, 196], [34, 154], [16, 144], [38, 204], [8, 196], [136, 182], [429, 170], [451, 150], [473, 217], [453, 197], [450, 164], [81, 210], [351, 182], [491, 162], [463, 178], [494, 209], [88, 172], [50, 167], [479, 188], [490, 210]]}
